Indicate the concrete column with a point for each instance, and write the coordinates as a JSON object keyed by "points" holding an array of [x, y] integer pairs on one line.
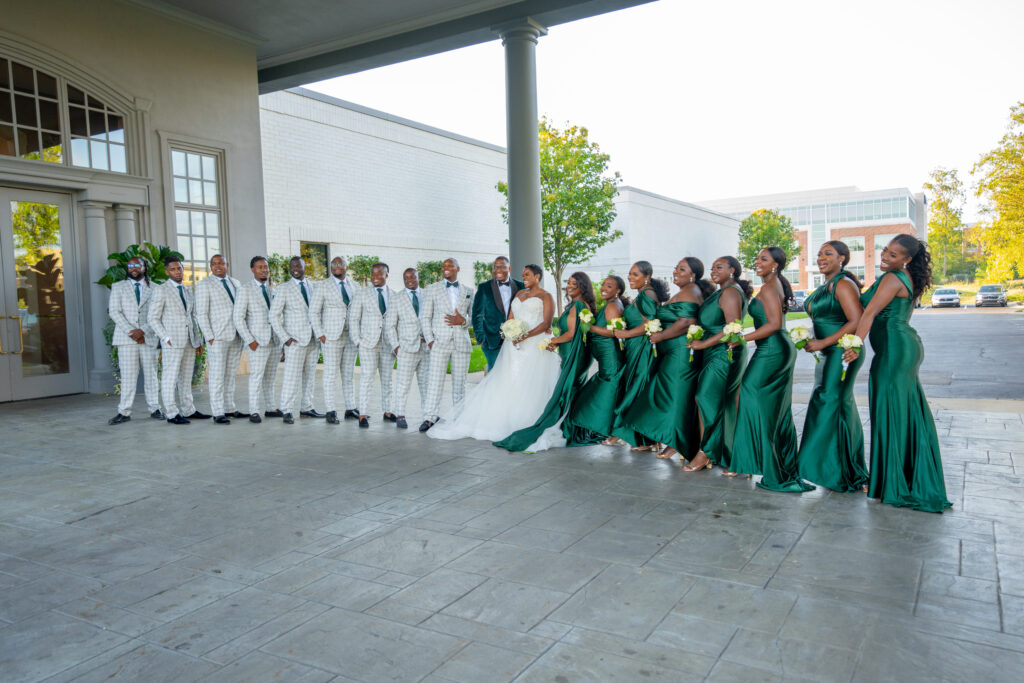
{"points": [[524, 216], [126, 231], [100, 379]]}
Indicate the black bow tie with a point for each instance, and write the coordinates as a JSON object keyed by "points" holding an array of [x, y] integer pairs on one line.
{"points": [[504, 284], [451, 284]]}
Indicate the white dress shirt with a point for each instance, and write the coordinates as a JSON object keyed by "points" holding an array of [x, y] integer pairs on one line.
{"points": [[506, 293], [453, 294]]}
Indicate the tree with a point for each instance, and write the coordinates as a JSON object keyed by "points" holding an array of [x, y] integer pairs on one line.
{"points": [[482, 270], [945, 224], [429, 272], [577, 198], [36, 232], [359, 267], [766, 228], [1001, 185]]}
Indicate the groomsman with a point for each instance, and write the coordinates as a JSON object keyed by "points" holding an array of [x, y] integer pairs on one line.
{"points": [[348, 289], [446, 306], [252, 320], [215, 305], [172, 317], [289, 316], [135, 340], [328, 314], [404, 334], [366, 322], [490, 308]]}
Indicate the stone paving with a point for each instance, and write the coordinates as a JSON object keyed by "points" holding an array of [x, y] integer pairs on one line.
{"points": [[147, 552]]}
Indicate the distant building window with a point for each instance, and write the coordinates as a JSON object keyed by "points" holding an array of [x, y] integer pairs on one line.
{"points": [[881, 241], [856, 270], [315, 257], [198, 212], [793, 275], [852, 212]]}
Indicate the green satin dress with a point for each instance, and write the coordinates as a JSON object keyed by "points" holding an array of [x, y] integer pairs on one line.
{"points": [[639, 364], [666, 413], [719, 381], [592, 413], [575, 367], [765, 441], [906, 467], [832, 448]]}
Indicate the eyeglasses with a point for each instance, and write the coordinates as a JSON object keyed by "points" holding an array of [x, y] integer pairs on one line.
{"points": [[135, 265]]}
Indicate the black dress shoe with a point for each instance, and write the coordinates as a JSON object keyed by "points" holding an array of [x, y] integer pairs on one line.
{"points": [[389, 417], [364, 422], [288, 419], [255, 418], [332, 417], [351, 414], [427, 424], [156, 415], [238, 413], [311, 413], [221, 420], [199, 416], [401, 423], [179, 420], [273, 413], [118, 419]]}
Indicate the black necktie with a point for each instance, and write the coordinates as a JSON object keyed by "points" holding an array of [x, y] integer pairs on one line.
{"points": [[380, 300], [302, 288], [138, 296], [266, 298], [344, 292], [415, 301], [228, 290]]}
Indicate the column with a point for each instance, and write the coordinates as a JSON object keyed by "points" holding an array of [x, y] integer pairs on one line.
{"points": [[523, 157], [126, 233], [100, 379]]}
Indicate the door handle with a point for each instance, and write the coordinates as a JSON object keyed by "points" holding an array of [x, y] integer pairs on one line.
{"points": [[21, 338]]}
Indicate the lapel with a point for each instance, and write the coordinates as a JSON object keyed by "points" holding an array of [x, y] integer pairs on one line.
{"points": [[144, 293], [496, 291]]}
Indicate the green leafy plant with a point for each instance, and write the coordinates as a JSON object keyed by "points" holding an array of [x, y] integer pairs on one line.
{"points": [[429, 272], [278, 268], [482, 270], [359, 267], [152, 255]]}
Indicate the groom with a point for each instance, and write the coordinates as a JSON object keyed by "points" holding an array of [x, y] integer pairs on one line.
{"points": [[490, 308]]}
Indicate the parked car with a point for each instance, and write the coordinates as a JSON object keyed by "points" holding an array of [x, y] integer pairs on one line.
{"points": [[942, 298], [799, 296], [991, 295]]}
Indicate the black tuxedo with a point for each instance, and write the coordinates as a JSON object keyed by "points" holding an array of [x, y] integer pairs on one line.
{"points": [[489, 314]]}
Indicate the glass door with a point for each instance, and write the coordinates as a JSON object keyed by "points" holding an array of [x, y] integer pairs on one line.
{"points": [[41, 328]]}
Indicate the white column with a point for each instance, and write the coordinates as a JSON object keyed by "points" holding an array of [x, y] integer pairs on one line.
{"points": [[126, 232], [100, 379], [523, 157]]}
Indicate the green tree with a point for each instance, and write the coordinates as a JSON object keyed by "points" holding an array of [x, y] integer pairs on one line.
{"points": [[359, 267], [482, 270], [766, 228], [278, 265], [577, 198], [945, 224], [429, 272], [1001, 184], [36, 230]]}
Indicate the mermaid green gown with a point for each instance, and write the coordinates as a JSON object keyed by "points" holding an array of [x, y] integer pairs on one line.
{"points": [[639, 364], [906, 467], [593, 411], [765, 441], [575, 367], [666, 413], [718, 383], [832, 448]]}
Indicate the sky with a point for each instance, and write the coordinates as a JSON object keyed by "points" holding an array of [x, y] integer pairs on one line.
{"points": [[708, 100]]}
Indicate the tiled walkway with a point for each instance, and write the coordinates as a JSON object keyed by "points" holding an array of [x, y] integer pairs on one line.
{"points": [[150, 553]]}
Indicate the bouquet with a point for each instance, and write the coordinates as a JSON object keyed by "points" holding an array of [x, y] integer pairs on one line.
{"points": [[693, 333], [513, 330], [733, 334], [543, 345], [585, 320], [800, 337], [849, 342], [617, 324], [652, 327]]}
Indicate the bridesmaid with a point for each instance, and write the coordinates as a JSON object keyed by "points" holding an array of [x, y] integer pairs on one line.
{"points": [[765, 440], [639, 355], [666, 412], [592, 412], [832, 448], [579, 293], [906, 467], [719, 377]]}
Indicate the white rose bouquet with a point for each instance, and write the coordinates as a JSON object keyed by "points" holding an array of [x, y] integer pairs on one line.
{"points": [[800, 337], [585, 320], [849, 342], [617, 324], [652, 327], [733, 334], [513, 330], [693, 333]]}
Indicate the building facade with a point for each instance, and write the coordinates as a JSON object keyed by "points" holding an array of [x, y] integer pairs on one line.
{"points": [[865, 220]]}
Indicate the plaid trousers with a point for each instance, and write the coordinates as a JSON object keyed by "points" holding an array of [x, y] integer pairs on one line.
{"points": [[299, 369], [129, 358], [377, 360], [263, 364], [409, 363]]}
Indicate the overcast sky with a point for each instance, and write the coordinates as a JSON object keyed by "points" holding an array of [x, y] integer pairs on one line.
{"points": [[705, 100]]}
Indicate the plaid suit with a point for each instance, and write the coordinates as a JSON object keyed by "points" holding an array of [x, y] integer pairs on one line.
{"points": [[402, 329], [349, 350], [215, 316], [450, 343], [329, 315], [366, 324], [252, 320], [289, 316], [176, 327], [129, 314]]}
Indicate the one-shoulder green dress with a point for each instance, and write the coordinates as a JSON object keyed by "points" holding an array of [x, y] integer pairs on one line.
{"points": [[639, 364], [906, 466], [575, 366], [832, 448], [719, 381], [666, 412], [592, 412], [765, 441]]}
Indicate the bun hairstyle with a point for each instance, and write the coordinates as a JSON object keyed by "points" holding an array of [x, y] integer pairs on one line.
{"points": [[920, 266], [780, 259], [737, 271], [659, 287], [621, 284], [586, 289], [696, 266], [535, 269], [844, 252]]}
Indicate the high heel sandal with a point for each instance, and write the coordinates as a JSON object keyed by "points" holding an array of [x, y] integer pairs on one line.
{"points": [[612, 441], [705, 466], [667, 453]]}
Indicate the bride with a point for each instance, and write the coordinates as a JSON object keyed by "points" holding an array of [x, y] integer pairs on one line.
{"points": [[514, 393]]}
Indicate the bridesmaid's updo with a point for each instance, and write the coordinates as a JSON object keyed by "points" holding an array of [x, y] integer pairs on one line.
{"points": [[536, 270], [737, 271], [621, 284], [696, 267], [780, 259], [920, 266], [659, 287], [586, 289], [844, 252]]}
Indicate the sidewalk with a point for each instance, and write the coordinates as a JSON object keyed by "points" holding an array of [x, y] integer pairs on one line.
{"points": [[147, 552]]}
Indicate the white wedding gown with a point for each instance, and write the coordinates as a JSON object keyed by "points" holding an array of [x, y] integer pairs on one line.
{"points": [[513, 394]]}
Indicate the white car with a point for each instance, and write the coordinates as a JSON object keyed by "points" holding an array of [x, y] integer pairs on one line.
{"points": [[941, 298]]}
